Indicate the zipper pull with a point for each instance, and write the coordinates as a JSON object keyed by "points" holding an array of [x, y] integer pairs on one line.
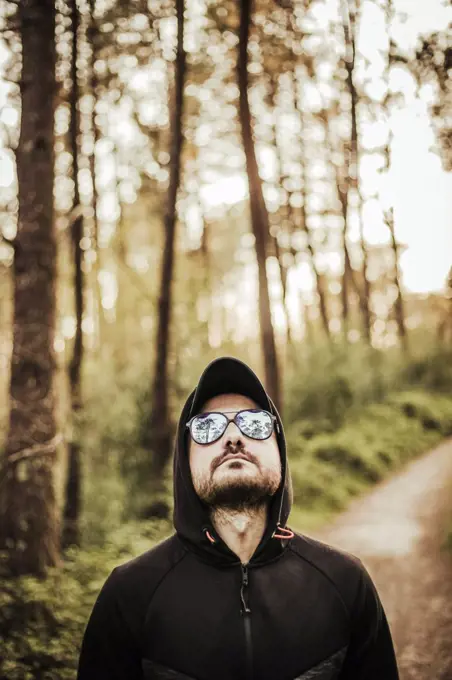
{"points": [[246, 609], [245, 575]]}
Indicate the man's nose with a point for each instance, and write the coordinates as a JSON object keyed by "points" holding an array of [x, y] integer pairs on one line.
{"points": [[232, 434]]}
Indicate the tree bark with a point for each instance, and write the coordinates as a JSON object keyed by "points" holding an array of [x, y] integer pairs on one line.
{"points": [[121, 338], [259, 214], [71, 530], [159, 435], [352, 171], [399, 307], [29, 527], [279, 172], [207, 279], [92, 34], [319, 279]]}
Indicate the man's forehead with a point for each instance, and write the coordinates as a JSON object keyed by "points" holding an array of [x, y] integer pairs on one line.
{"points": [[232, 402]]}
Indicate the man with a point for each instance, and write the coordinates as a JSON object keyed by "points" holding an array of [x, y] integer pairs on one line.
{"points": [[234, 594]]}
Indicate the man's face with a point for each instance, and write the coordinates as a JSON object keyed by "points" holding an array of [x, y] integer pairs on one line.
{"points": [[249, 476]]}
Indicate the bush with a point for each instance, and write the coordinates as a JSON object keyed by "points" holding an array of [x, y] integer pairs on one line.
{"points": [[319, 486], [347, 451], [42, 621], [307, 429], [334, 381], [328, 468], [433, 371], [330, 383], [392, 437], [339, 440], [433, 410]]}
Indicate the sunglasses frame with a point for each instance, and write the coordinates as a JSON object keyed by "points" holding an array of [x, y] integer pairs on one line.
{"points": [[233, 420]]}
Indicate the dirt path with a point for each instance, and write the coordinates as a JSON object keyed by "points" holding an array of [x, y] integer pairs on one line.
{"points": [[397, 531]]}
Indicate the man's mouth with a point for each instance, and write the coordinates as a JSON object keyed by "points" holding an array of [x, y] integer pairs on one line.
{"points": [[235, 456]]}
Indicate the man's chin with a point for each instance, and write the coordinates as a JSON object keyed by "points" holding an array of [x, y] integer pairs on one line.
{"points": [[238, 494]]}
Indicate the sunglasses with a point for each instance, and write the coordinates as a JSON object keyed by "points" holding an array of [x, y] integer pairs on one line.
{"points": [[207, 428]]}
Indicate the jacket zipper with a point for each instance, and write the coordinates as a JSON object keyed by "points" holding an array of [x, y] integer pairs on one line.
{"points": [[246, 611]]}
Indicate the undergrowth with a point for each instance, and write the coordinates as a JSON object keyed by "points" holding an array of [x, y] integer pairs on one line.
{"points": [[349, 423]]}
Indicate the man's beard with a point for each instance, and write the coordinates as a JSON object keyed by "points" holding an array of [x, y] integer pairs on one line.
{"points": [[239, 493]]}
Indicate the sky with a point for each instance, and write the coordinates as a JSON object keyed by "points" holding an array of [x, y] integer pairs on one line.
{"points": [[420, 190], [422, 205]]}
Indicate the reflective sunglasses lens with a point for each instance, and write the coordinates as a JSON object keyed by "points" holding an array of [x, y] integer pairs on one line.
{"points": [[255, 424], [205, 429]]}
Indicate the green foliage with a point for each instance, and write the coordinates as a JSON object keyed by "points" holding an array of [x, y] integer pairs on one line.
{"points": [[42, 621], [448, 539], [432, 371], [118, 467], [329, 468], [434, 412], [320, 486], [346, 452], [330, 384], [350, 421], [332, 380], [113, 408], [307, 429], [360, 394]]}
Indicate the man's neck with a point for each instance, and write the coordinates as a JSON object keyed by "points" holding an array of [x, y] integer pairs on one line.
{"points": [[241, 530]]}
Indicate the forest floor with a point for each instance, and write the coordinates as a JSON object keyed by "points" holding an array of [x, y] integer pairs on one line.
{"points": [[398, 531]]}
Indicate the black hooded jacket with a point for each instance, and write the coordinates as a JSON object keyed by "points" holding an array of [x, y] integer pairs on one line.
{"points": [[187, 609]]}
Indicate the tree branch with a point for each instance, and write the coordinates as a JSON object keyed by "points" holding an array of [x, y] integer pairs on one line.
{"points": [[9, 242], [43, 449], [12, 28], [36, 450]]}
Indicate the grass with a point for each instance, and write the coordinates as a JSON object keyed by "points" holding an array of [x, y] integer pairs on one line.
{"points": [[331, 468]]}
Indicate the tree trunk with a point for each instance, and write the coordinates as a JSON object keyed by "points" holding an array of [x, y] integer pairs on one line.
{"points": [[71, 530], [279, 178], [206, 279], [348, 275], [93, 85], [319, 279], [259, 214], [352, 165], [399, 307], [29, 527], [365, 294], [159, 435], [121, 336]]}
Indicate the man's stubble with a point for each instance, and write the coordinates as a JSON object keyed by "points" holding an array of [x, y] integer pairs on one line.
{"points": [[238, 493]]}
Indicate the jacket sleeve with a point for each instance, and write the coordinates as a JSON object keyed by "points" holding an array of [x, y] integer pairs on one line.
{"points": [[109, 649], [370, 654]]}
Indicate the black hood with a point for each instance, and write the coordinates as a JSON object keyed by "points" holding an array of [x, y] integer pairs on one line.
{"points": [[191, 517]]}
